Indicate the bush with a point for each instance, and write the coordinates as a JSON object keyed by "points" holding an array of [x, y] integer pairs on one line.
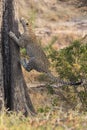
{"points": [[71, 64]]}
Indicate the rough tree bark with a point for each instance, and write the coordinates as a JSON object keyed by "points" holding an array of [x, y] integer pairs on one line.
{"points": [[15, 89]]}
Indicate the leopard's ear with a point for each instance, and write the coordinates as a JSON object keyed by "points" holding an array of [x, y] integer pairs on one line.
{"points": [[22, 18]]}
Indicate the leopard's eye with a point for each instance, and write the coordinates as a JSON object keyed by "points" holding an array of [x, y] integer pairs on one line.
{"points": [[26, 23]]}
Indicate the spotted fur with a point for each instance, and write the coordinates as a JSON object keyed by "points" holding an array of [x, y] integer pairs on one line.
{"points": [[38, 59]]}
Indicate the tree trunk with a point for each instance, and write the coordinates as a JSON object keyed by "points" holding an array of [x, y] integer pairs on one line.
{"points": [[1, 63], [16, 94]]}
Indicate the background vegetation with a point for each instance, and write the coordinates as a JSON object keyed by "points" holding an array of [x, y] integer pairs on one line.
{"points": [[71, 63]]}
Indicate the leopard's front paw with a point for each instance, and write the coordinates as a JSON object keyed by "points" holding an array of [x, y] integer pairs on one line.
{"points": [[11, 34]]}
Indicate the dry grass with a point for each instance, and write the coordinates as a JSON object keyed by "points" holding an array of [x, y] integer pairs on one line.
{"points": [[55, 119]]}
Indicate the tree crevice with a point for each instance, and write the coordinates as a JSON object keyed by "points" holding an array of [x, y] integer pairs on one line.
{"points": [[6, 55]]}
